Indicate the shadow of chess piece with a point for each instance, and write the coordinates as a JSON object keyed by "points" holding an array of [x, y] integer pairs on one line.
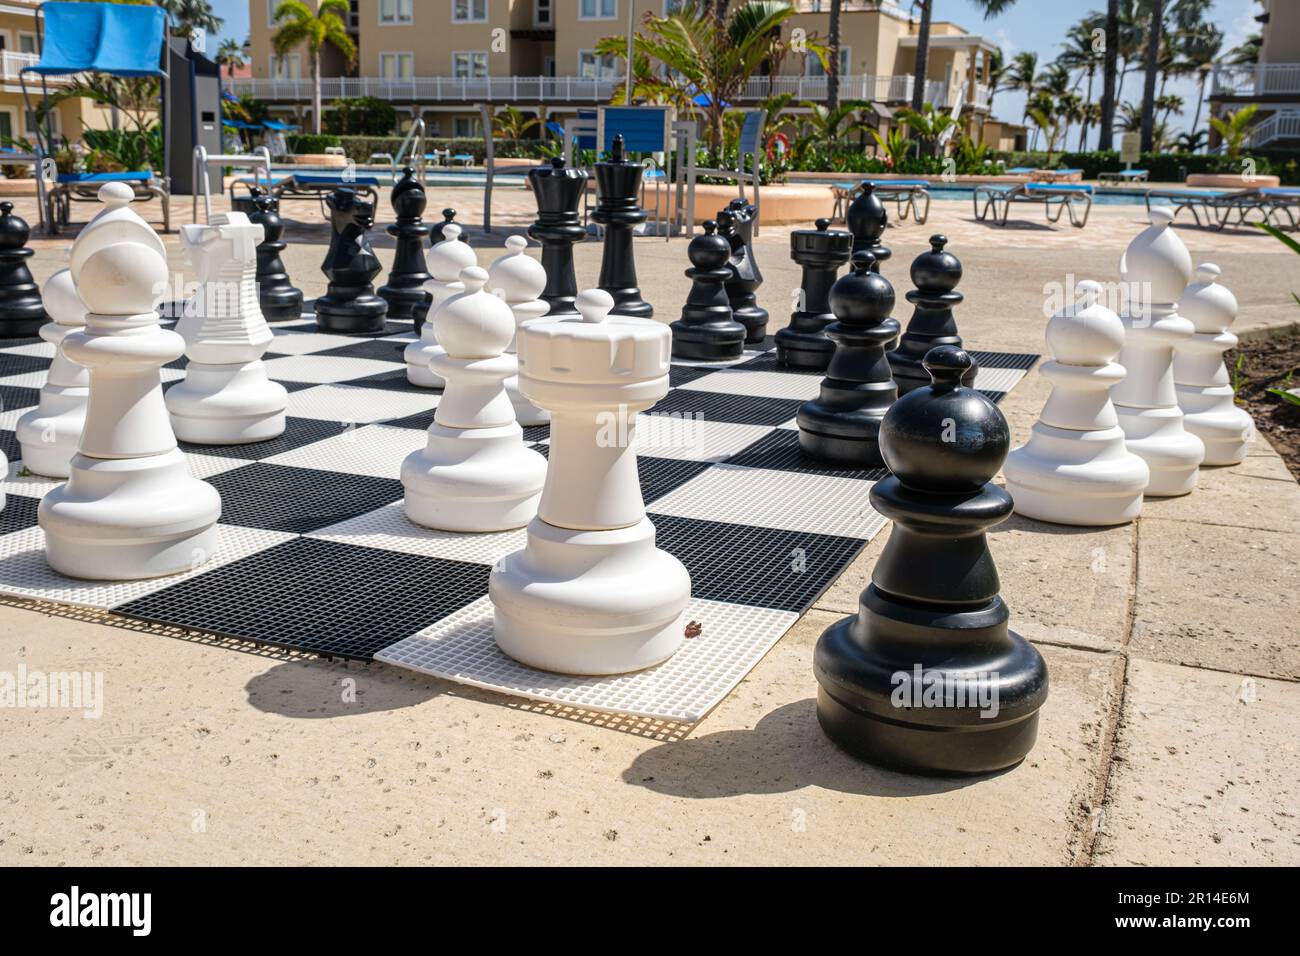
{"points": [[842, 424], [21, 311], [935, 275], [435, 230], [744, 280], [706, 331], [618, 183], [926, 677], [405, 292], [350, 305], [558, 190], [820, 252], [279, 299], [866, 219]]}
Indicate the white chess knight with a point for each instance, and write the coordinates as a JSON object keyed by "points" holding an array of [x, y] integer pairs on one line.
{"points": [[226, 397], [1075, 468], [590, 593], [519, 279], [446, 260], [48, 434], [1156, 267], [130, 508], [475, 474], [1205, 392]]}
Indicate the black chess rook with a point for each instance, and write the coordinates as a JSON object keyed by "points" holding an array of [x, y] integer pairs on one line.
{"points": [[820, 252]]}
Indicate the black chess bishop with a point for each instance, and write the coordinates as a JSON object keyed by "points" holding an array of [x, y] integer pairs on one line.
{"points": [[867, 219], [405, 292]]}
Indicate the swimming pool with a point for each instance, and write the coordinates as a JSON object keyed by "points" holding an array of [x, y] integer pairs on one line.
{"points": [[433, 176], [1100, 196]]}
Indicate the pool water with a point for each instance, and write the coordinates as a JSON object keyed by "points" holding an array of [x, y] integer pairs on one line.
{"points": [[433, 176], [1100, 197]]}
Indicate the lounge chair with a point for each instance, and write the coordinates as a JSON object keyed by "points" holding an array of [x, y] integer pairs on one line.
{"points": [[305, 186], [1057, 175], [1124, 176], [1054, 197], [909, 195], [464, 159], [84, 187], [1282, 201], [1219, 206]]}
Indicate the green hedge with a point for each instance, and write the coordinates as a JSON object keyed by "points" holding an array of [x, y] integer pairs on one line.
{"points": [[361, 148], [310, 143]]}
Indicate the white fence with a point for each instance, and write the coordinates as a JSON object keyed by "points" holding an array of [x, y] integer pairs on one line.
{"points": [[1262, 80], [1284, 125]]}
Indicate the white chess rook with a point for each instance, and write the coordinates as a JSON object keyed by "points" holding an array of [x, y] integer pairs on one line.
{"points": [[446, 260], [1156, 267], [48, 434], [226, 397], [475, 474], [1075, 468], [1205, 392], [519, 279], [130, 508], [590, 593]]}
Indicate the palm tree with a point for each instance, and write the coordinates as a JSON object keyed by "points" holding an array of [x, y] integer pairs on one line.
{"points": [[1109, 73], [1020, 76], [1154, 26], [511, 123], [997, 69], [1046, 121], [299, 26], [929, 125], [230, 55], [826, 125], [1089, 116], [1235, 130], [991, 8], [187, 16], [833, 55], [1169, 103], [1083, 54], [1247, 54], [1200, 49]]}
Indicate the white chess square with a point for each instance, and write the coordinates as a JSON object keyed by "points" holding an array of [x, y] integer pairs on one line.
{"points": [[688, 438], [205, 466], [761, 383], [998, 379], [37, 349], [304, 343], [350, 403], [326, 369], [9, 417], [374, 450], [36, 378], [388, 528]]}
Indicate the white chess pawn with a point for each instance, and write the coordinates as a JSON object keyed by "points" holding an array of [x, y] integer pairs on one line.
{"points": [[475, 473], [116, 222], [49, 433], [226, 397], [1156, 267], [446, 260], [519, 279], [1075, 468], [130, 508], [1205, 392], [590, 593]]}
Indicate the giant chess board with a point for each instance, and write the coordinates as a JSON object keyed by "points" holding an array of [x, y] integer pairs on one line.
{"points": [[317, 555]]}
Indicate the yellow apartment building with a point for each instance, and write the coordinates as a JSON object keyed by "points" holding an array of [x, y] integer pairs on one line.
{"points": [[1273, 83]]}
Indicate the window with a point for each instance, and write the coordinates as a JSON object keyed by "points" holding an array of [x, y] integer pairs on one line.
{"points": [[597, 9], [464, 127], [542, 13], [396, 11], [469, 66], [30, 126], [548, 66], [433, 127], [469, 11], [27, 43], [6, 126], [270, 11], [593, 67], [396, 66], [287, 67], [813, 66]]}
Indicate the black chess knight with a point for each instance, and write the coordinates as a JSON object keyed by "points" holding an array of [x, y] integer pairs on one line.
{"points": [[820, 252], [350, 305], [842, 425], [706, 331], [405, 292], [935, 275], [927, 677], [618, 185], [745, 278], [867, 219], [558, 190], [280, 300], [21, 311]]}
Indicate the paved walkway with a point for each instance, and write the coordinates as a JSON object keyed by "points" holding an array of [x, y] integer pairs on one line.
{"points": [[1169, 735]]}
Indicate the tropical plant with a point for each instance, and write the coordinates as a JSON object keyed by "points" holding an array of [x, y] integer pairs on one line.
{"points": [[189, 16], [1192, 141], [298, 25], [970, 156], [1167, 104], [1200, 49], [1082, 53], [511, 123], [928, 124], [1020, 75], [1155, 24], [361, 116], [133, 97], [893, 144], [1247, 53], [833, 57], [1047, 121], [230, 55], [1235, 130], [118, 150]]}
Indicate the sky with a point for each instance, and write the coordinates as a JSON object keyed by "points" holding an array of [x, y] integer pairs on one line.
{"points": [[1037, 25]]}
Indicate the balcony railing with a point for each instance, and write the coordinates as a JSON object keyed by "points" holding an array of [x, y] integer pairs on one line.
{"points": [[11, 62], [1284, 125], [1277, 79]]}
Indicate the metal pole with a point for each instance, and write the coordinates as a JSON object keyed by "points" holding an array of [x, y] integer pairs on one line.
{"points": [[631, 4]]}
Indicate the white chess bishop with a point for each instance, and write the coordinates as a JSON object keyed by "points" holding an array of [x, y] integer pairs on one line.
{"points": [[446, 260], [226, 397], [590, 593], [130, 508], [48, 434], [1205, 392], [1075, 469], [1156, 268], [519, 279], [475, 474]]}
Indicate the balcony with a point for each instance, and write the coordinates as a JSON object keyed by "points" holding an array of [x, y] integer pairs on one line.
{"points": [[876, 89], [11, 62], [1266, 79]]}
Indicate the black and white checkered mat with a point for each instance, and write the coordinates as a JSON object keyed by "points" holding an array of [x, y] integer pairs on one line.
{"points": [[316, 553]]}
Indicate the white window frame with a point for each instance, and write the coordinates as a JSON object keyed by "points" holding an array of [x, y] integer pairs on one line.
{"points": [[811, 62], [26, 35], [471, 54], [286, 59], [397, 58], [470, 18], [471, 120], [596, 59], [398, 18], [550, 11], [613, 15], [270, 12]]}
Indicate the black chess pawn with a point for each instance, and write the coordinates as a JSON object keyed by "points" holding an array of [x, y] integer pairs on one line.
{"points": [[820, 252], [935, 275], [279, 299], [405, 292], [349, 304], [21, 311], [745, 279], [867, 218], [842, 424], [926, 677], [706, 331], [448, 217], [558, 189], [618, 184]]}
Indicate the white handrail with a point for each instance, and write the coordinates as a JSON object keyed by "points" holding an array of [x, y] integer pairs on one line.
{"points": [[258, 159]]}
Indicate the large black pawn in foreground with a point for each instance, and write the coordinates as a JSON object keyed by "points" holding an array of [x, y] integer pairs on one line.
{"points": [[820, 252], [744, 281], [558, 190], [935, 275], [350, 305], [867, 219], [21, 311], [618, 183], [706, 331], [405, 292], [927, 677], [842, 424], [280, 300]]}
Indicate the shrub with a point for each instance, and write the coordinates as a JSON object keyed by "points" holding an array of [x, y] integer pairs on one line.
{"points": [[310, 143], [362, 116]]}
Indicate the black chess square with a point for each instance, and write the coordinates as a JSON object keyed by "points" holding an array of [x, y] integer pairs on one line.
{"points": [[286, 498], [679, 375], [394, 381], [1018, 360], [722, 407], [297, 432], [420, 420], [767, 363], [779, 450], [16, 396], [19, 513], [315, 595], [11, 364], [377, 349], [662, 475], [9, 444]]}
